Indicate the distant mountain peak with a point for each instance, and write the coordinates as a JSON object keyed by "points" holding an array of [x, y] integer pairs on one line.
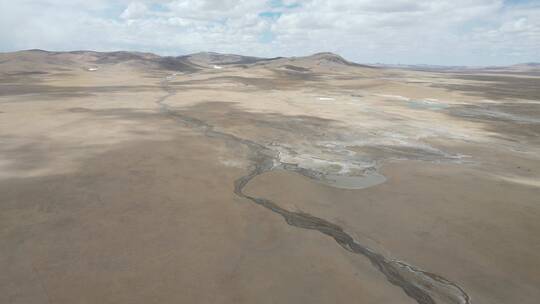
{"points": [[331, 58], [330, 54]]}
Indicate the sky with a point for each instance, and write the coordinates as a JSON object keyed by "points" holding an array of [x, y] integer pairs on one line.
{"points": [[442, 32]]}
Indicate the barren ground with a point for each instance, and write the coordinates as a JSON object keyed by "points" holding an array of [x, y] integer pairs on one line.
{"points": [[307, 180]]}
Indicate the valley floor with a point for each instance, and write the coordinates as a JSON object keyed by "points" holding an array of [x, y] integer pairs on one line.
{"points": [[302, 180]]}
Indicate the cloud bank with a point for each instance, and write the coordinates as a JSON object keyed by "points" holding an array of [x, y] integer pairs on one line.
{"points": [[448, 32]]}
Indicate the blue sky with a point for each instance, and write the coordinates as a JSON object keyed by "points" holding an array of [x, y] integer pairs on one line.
{"points": [[448, 32]]}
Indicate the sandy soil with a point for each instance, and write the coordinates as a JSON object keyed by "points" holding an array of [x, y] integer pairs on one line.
{"points": [[130, 178]]}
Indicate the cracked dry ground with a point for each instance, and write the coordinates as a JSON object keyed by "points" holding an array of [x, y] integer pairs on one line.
{"points": [[126, 186]]}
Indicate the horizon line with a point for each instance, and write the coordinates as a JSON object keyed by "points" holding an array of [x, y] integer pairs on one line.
{"points": [[426, 65]]}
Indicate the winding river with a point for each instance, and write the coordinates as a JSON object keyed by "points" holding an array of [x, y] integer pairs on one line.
{"points": [[422, 286]]}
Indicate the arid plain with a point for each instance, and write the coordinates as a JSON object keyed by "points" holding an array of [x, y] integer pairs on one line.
{"points": [[209, 178]]}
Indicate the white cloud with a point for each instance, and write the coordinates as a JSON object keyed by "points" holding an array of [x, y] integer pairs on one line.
{"points": [[406, 31], [134, 10]]}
